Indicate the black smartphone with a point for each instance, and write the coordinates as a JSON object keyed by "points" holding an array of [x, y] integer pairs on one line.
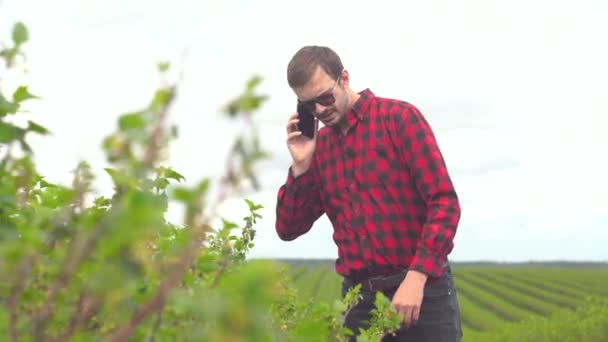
{"points": [[307, 121]]}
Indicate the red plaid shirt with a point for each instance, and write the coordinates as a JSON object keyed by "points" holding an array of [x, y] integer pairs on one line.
{"points": [[385, 188]]}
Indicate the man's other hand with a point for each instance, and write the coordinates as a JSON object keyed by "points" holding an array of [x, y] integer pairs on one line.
{"points": [[408, 298]]}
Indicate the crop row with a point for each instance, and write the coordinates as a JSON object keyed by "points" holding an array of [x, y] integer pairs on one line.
{"points": [[492, 298]]}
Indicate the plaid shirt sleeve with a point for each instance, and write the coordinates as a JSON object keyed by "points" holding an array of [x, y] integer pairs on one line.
{"points": [[298, 205], [419, 148]]}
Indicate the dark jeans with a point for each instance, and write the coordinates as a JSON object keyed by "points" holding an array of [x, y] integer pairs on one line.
{"points": [[439, 319]]}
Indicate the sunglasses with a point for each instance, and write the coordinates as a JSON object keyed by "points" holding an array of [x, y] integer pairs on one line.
{"points": [[325, 99]]}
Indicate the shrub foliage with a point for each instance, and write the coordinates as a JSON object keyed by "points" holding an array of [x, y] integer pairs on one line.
{"points": [[76, 265]]}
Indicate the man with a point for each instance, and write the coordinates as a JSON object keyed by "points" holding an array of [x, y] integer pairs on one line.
{"points": [[376, 171]]}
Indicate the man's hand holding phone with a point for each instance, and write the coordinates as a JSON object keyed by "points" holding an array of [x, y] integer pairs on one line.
{"points": [[300, 146]]}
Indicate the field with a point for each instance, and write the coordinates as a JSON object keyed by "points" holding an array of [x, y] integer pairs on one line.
{"points": [[505, 302]]}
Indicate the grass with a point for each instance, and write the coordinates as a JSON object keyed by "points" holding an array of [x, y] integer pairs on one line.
{"points": [[505, 302]]}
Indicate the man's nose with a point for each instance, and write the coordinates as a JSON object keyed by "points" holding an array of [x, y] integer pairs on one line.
{"points": [[319, 108]]}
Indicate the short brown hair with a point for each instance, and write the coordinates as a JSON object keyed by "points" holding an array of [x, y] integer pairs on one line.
{"points": [[306, 60]]}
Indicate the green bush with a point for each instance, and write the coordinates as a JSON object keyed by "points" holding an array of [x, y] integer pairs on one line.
{"points": [[76, 266]]}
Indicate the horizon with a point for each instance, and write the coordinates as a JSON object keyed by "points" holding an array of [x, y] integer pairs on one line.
{"points": [[480, 261]]}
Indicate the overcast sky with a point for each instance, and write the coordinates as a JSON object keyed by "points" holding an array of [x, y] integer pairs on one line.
{"points": [[516, 92]]}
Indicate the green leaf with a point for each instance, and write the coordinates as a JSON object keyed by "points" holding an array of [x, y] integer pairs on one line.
{"points": [[54, 197], [148, 184], [229, 225], [169, 173], [20, 33], [22, 94], [10, 133], [162, 98], [25, 146], [251, 103], [34, 127], [131, 121], [7, 107], [161, 183], [202, 187], [182, 194], [253, 206], [102, 202], [163, 66], [9, 54], [43, 183], [253, 82], [121, 178]]}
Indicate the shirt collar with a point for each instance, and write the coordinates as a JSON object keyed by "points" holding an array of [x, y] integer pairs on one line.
{"points": [[356, 113], [362, 104]]}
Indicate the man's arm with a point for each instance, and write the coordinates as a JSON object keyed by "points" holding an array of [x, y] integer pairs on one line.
{"points": [[421, 152], [298, 205]]}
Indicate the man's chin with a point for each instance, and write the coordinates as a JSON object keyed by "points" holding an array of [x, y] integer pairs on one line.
{"points": [[330, 120]]}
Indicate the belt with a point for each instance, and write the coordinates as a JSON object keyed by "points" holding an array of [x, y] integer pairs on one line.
{"points": [[378, 283], [382, 282]]}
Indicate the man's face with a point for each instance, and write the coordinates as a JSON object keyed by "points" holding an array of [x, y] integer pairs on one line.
{"points": [[325, 96]]}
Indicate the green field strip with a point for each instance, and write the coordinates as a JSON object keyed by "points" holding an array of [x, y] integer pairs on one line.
{"points": [[589, 281], [596, 278], [589, 288], [466, 331], [502, 308], [465, 325], [519, 299], [308, 282], [544, 283], [317, 285], [587, 323], [470, 335], [477, 317], [329, 289], [297, 272], [541, 293]]}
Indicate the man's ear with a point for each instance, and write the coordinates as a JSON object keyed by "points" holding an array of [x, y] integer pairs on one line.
{"points": [[345, 78]]}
